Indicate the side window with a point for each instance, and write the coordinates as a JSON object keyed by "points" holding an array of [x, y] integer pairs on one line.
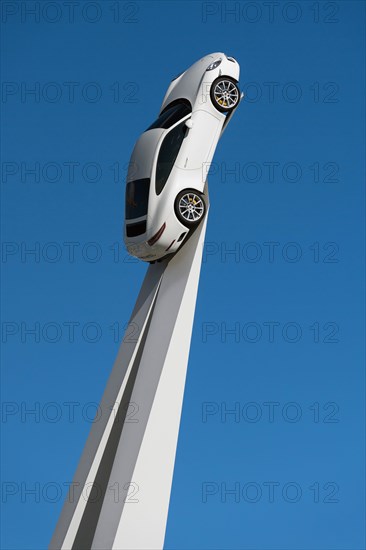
{"points": [[168, 153]]}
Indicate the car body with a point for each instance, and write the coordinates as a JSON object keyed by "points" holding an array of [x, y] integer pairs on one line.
{"points": [[169, 164]]}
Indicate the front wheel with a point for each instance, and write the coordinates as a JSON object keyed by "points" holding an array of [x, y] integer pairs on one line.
{"points": [[225, 94], [190, 207]]}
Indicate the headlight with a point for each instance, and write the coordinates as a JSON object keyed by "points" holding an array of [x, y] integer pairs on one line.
{"points": [[213, 65]]}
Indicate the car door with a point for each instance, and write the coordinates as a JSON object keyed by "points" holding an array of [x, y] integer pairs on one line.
{"points": [[198, 147]]}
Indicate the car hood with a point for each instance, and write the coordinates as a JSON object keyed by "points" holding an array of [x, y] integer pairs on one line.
{"points": [[143, 154], [187, 84]]}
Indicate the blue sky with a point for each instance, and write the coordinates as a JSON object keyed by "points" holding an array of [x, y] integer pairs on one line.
{"points": [[279, 326]]}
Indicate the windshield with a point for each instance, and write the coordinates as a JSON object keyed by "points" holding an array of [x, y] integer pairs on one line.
{"points": [[137, 198], [170, 116]]}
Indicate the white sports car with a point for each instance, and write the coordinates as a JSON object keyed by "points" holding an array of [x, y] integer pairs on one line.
{"points": [[169, 163]]}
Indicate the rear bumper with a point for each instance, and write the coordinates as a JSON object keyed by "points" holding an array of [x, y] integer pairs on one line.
{"points": [[168, 243]]}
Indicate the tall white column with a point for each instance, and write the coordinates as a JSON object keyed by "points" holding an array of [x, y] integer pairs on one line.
{"points": [[130, 458]]}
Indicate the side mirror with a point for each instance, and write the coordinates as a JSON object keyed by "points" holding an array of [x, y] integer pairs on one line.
{"points": [[189, 123]]}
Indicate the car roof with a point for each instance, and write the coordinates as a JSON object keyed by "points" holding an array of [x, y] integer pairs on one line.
{"points": [[143, 154]]}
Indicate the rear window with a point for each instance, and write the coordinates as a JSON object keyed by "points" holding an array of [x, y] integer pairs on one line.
{"points": [[135, 229], [170, 116], [137, 198]]}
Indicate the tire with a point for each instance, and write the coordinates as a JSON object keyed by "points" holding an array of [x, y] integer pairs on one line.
{"points": [[225, 94], [190, 207]]}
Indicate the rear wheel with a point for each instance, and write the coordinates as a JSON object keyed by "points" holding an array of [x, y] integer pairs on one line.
{"points": [[190, 207], [225, 94]]}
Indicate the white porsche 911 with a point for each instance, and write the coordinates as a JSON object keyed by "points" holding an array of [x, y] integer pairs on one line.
{"points": [[167, 173]]}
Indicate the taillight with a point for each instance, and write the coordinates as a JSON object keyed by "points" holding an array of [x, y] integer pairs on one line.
{"points": [[157, 236]]}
